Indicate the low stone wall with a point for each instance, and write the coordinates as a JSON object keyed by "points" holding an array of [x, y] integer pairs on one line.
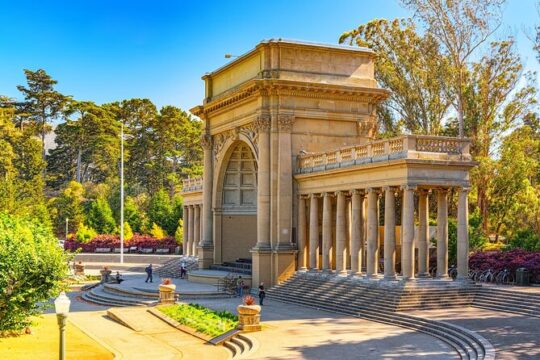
{"points": [[128, 258]]}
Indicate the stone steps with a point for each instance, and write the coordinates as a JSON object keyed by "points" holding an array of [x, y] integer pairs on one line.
{"points": [[102, 297], [527, 304], [379, 303], [171, 268], [239, 346]]}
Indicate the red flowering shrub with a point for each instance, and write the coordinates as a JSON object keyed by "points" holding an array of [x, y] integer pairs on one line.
{"points": [[511, 260], [113, 241]]}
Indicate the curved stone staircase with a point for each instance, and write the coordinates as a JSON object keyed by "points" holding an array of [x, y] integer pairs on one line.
{"points": [[506, 300], [379, 302]]}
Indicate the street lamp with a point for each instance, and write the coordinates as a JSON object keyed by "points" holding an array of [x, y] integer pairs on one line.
{"points": [[67, 222], [61, 307]]}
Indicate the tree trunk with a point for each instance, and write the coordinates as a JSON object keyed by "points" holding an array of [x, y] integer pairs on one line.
{"points": [[79, 155]]}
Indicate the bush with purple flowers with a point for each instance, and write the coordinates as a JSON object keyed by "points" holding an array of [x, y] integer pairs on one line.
{"points": [[510, 260], [113, 241]]}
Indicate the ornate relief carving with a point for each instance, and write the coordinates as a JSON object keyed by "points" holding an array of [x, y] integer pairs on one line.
{"points": [[285, 122], [249, 131], [206, 141], [262, 123]]}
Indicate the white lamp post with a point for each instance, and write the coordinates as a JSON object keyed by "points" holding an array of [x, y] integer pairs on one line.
{"points": [[67, 223], [122, 194], [61, 306]]}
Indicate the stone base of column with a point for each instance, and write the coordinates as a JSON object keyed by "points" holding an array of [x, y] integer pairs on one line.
{"points": [[463, 278], [442, 276], [261, 267], [373, 276], [423, 275], [392, 277], [284, 265], [206, 256]]}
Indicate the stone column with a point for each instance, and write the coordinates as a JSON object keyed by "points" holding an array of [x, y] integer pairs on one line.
{"points": [[442, 233], [341, 235], [263, 183], [196, 228], [357, 231], [184, 230], [389, 234], [313, 232], [463, 235], [191, 230], [423, 233], [407, 245], [261, 253], [326, 231], [284, 176], [206, 245], [372, 267], [302, 232]]}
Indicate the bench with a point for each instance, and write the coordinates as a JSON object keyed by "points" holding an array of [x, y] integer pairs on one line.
{"points": [[117, 250], [103, 250], [162, 251], [146, 250], [132, 249]]}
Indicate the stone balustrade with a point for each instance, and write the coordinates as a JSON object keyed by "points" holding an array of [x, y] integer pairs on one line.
{"points": [[402, 147], [192, 184]]}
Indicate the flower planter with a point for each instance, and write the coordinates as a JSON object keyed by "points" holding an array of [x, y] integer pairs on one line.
{"points": [[249, 318], [166, 294]]}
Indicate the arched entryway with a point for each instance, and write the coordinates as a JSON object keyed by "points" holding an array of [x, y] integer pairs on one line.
{"points": [[236, 203]]}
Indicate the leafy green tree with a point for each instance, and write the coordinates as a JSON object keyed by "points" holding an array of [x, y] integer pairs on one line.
{"points": [[43, 103], [413, 68], [157, 232], [32, 266], [87, 146], [69, 205], [100, 217], [85, 233], [160, 211]]}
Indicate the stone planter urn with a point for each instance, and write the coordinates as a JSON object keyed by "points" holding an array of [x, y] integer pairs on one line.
{"points": [[249, 317], [166, 292], [105, 275]]}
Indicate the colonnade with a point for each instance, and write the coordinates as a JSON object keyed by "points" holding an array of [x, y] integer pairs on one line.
{"points": [[350, 223], [193, 228]]}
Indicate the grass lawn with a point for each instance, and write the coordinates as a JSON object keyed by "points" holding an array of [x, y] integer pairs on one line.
{"points": [[204, 320], [43, 343]]}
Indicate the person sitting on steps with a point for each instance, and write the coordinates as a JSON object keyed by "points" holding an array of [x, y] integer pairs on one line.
{"points": [[118, 278]]}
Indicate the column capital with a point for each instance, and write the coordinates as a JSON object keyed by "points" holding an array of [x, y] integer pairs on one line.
{"points": [[423, 191], [327, 193], [357, 192], [206, 141], [409, 187], [395, 189], [442, 191], [465, 189], [304, 196], [340, 192], [370, 190], [285, 122], [262, 122]]}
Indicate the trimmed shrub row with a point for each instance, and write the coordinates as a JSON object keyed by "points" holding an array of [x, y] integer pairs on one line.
{"points": [[113, 241]]}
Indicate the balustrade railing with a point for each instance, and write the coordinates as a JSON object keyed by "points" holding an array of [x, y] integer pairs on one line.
{"points": [[192, 184], [407, 146]]}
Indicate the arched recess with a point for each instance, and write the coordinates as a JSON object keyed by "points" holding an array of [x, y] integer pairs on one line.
{"points": [[235, 203]]}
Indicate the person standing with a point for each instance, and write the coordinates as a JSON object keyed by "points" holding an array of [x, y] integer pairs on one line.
{"points": [[148, 273], [182, 271], [262, 294], [240, 286]]}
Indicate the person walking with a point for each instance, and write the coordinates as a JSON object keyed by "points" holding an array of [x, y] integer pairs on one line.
{"points": [[262, 294], [240, 286], [183, 270], [148, 273]]}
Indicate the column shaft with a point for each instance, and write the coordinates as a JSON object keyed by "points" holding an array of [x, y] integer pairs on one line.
{"points": [[357, 231], [407, 246], [442, 233], [191, 230], [372, 234], [463, 235], [340, 233], [313, 232], [423, 234], [302, 232], [185, 223], [207, 216], [196, 229], [326, 231], [263, 184], [389, 234]]}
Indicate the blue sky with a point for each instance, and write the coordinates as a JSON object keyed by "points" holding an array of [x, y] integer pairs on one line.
{"points": [[106, 50]]}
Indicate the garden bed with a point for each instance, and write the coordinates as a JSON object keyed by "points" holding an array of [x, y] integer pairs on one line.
{"points": [[206, 321]]}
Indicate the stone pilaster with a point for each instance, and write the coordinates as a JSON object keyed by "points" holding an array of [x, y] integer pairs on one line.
{"points": [[313, 231], [442, 233], [191, 233], [389, 234], [407, 245], [463, 234], [302, 234], [423, 233], [205, 247], [357, 231], [341, 235], [262, 252], [327, 232], [372, 267]]}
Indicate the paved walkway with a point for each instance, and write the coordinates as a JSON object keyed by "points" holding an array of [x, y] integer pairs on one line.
{"points": [[294, 332], [513, 336]]}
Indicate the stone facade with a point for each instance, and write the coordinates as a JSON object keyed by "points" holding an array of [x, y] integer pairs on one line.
{"points": [[293, 175]]}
